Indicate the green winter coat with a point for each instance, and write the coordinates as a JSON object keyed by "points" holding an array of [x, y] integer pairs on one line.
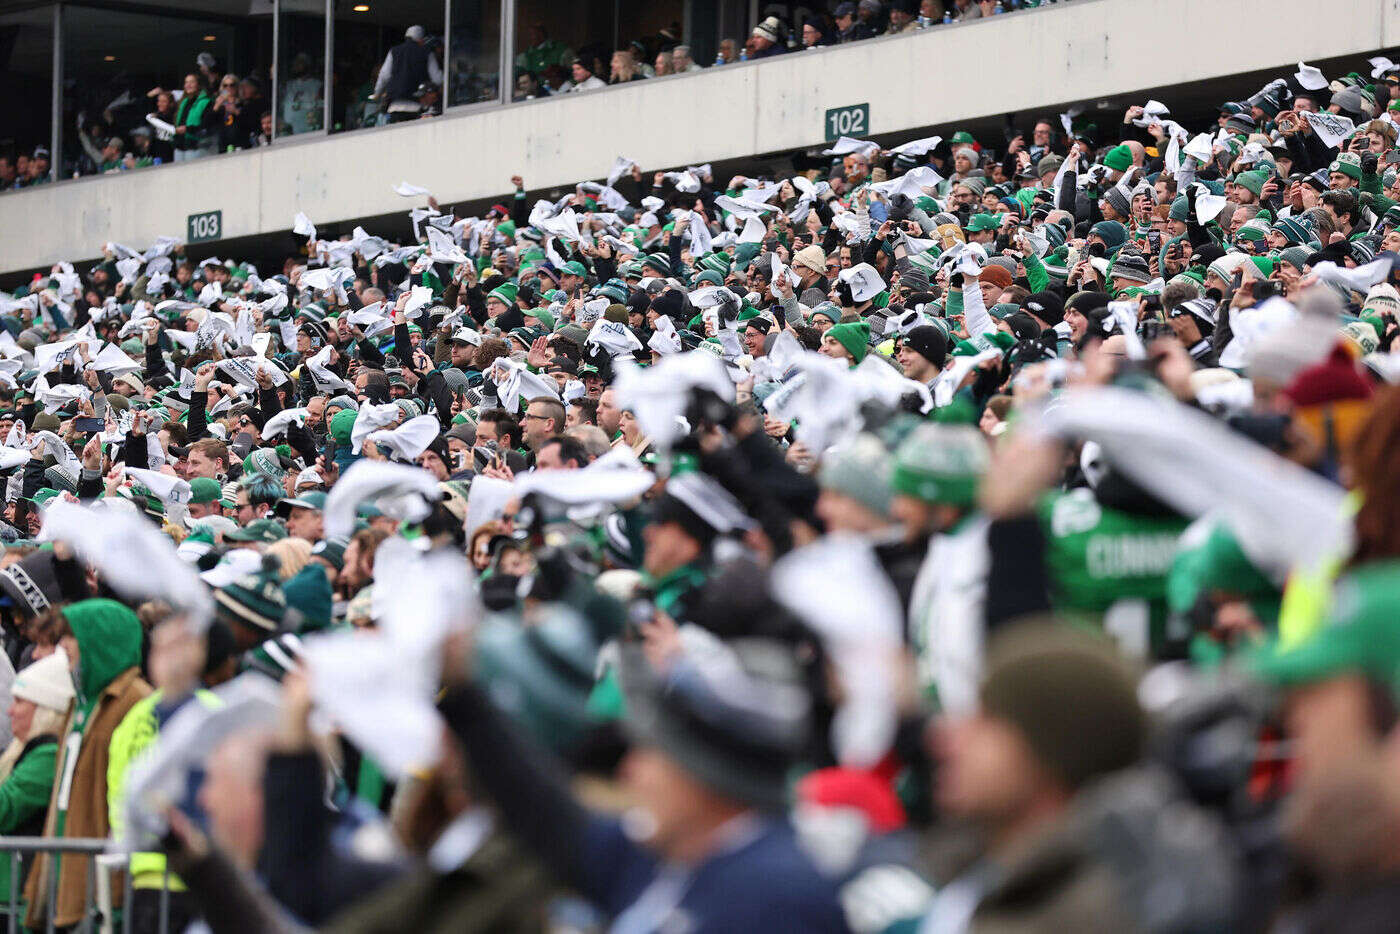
{"points": [[24, 799]]}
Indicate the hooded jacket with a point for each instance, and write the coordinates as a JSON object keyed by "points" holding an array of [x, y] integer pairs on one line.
{"points": [[108, 684]]}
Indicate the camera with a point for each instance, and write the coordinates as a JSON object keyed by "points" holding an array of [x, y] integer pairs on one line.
{"points": [[1152, 330]]}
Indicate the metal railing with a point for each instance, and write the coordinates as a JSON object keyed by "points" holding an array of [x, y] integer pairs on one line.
{"points": [[100, 915]]}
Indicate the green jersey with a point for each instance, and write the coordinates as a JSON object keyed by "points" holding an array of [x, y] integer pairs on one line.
{"points": [[1112, 566]]}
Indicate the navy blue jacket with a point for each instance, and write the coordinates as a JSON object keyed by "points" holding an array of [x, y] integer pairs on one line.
{"points": [[763, 883]]}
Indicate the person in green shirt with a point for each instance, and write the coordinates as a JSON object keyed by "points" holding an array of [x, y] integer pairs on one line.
{"points": [[41, 696], [194, 136]]}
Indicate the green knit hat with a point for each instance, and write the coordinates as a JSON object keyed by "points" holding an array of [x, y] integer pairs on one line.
{"points": [[341, 424], [1347, 163], [1112, 233], [657, 261], [506, 293], [254, 600], [308, 598], [854, 336], [265, 460], [744, 254], [941, 464], [1253, 231], [1119, 158], [1252, 181], [715, 262]]}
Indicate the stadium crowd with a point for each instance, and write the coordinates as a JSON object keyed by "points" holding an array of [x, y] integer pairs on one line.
{"points": [[930, 543], [212, 110]]}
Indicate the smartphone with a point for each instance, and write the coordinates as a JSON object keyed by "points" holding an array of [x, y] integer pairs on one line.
{"points": [[87, 426], [1154, 242], [1392, 157]]}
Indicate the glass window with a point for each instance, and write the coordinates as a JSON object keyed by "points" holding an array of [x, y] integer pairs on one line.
{"points": [[301, 58], [366, 33], [614, 40], [474, 68], [144, 89], [26, 73]]}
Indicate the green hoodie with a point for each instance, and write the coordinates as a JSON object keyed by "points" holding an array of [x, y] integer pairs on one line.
{"points": [[109, 642]]}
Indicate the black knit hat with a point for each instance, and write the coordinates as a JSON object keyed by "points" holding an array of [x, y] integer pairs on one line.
{"points": [[254, 600], [1132, 266], [742, 751], [928, 342], [31, 583], [1115, 197], [1047, 306], [670, 303]]}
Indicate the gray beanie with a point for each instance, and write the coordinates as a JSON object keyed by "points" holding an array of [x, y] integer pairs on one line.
{"points": [[860, 469]]}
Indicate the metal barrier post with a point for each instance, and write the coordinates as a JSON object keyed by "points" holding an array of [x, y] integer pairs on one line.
{"points": [[53, 895], [107, 864], [88, 898], [165, 899], [94, 850], [13, 925], [128, 894]]}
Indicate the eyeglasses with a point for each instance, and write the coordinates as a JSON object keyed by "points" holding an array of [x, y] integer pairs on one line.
{"points": [[542, 418]]}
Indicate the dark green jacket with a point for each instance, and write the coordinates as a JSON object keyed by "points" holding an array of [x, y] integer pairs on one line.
{"points": [[192, 113], [500, 888]]}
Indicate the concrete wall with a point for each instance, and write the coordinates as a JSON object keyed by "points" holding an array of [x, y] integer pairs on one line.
{"points": [[1016, 62]]}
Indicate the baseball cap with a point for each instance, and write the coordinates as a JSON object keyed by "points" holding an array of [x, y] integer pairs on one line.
{"points": [[1359, 635], [264, 531], [311, 499]]}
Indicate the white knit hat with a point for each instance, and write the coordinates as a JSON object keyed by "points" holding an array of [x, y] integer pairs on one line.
{"points": [[46, 683]]}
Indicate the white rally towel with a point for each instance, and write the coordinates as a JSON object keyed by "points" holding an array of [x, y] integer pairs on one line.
{"points": [[370, 418], [409, 439]]}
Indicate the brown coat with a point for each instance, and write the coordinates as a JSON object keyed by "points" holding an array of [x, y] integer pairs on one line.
{"points": [[87, 805]]}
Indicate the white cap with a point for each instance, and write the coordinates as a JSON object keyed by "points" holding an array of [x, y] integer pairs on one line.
{"points": [[416, 33], [47, 683], [467, 335]]}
